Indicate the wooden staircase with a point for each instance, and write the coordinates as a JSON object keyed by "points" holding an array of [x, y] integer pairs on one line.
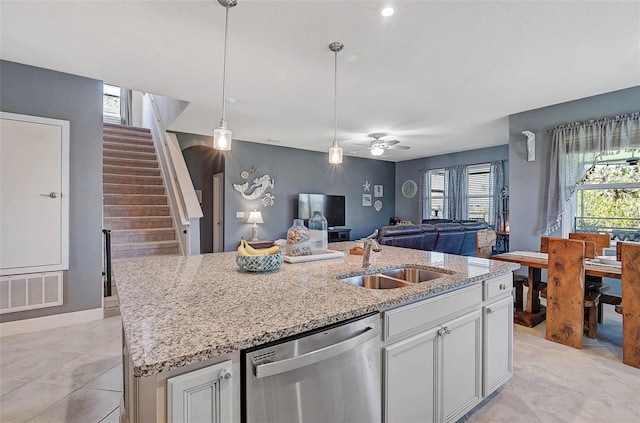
{"points": [[135, 204]]}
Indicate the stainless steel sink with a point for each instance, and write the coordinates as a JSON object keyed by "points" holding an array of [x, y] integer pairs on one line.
{"points": [[394, 278], [377, 281], [413, 275]]}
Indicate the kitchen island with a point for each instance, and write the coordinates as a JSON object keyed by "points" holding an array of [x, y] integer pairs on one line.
{"points": [[183, 313]]}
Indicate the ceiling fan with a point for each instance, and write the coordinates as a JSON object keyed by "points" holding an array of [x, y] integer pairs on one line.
{"points": [[378, 146]]}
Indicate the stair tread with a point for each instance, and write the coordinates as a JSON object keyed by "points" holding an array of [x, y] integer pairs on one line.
{"points": [[148, 244], [139, 217], [134, 231], [134, 206], [107, 126]]}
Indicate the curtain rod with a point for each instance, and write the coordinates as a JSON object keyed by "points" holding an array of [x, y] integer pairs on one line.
{"points": [[593, 122], [468, 164]]}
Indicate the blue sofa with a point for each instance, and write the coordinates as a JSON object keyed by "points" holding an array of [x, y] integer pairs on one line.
{"points": [[440, 235]]}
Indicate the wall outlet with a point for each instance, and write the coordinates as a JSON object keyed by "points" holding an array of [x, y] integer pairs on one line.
{"points": [[239, 215]]}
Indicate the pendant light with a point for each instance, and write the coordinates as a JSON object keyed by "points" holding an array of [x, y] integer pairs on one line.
{"points": [[222, 135], [335, 151]]}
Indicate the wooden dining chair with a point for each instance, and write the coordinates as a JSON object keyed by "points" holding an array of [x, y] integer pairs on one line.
{"points": [[567, 301], [602, 240], [630, 307]]}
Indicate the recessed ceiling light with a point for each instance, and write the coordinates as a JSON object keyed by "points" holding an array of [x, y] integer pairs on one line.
{"points": [[387, 11]]}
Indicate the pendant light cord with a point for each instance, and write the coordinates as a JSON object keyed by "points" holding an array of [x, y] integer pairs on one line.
{"points": [[224, 65], [335, 101]]}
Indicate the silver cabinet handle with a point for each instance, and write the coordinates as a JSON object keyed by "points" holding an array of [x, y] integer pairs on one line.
{"points": [[282, 366], [225, 374], [50, 195], [444, 331]]}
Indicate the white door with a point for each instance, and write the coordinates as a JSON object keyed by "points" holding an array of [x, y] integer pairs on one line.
{"points": [[202, 396], [410, 380], [461, 365], [34, 178], [218, 212], [498, 344]]}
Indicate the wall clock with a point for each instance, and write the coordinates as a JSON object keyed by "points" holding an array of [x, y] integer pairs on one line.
{"points": [[409, 188]]}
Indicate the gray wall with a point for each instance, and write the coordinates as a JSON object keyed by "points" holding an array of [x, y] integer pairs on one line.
{"points": [[41, 92], [529, 180], [202, 163], [408, 208], [296, 171]]}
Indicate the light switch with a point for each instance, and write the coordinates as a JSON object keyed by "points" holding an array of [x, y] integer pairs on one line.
{"points": [[239, 214]]}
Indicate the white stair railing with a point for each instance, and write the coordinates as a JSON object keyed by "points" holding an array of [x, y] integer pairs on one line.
{"points": [[185, 208]]}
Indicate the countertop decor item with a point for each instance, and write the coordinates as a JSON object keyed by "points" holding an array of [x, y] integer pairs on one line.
{"points": [[260, 263], [318, 233], [409, 188], [298, 243], [330, 254]]}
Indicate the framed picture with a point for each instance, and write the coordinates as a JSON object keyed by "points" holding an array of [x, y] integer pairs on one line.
{"points": [[378, 191], [366, 200]]}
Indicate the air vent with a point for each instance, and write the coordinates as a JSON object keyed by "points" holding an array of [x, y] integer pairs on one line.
{"points": [[30, 291], [265, 357]]}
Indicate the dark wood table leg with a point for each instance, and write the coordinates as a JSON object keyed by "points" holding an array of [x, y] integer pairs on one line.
{"points": [[534, 312]]}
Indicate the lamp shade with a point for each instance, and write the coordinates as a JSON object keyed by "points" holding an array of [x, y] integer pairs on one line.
{"points": [[255, 217]]}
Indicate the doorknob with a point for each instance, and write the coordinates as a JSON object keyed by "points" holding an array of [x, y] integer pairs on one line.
{"points": [[50, 195]]}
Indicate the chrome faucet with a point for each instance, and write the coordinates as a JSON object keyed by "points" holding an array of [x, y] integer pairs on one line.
{"points": [[370, 244]]}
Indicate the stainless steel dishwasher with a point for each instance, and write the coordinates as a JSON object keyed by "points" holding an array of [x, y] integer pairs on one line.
{"points": [[329, 375]]}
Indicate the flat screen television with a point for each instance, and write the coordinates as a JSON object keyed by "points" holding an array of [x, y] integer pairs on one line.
{"points": [[332, 207]]}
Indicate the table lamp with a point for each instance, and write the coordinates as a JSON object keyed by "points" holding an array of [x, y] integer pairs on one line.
{"points": [[255, 217]]}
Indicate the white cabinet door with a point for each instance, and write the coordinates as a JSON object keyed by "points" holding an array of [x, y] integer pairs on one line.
{"points": [[410, 379], [202, 396], [498, 344], [461, 365], [34, 180]]}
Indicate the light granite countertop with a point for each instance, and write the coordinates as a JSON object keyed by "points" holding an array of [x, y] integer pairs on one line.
{"points": [[179, 310]]}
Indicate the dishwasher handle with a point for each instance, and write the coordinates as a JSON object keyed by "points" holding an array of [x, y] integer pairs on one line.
{"points": [[293, 363]]}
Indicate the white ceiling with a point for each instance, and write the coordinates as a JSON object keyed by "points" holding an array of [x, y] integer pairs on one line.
{"points": [[438, 76]]}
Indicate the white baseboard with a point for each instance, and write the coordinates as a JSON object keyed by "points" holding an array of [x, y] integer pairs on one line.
{"points": [[50, 322]]}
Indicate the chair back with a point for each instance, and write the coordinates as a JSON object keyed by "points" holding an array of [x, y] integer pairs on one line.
{"points": [[590, 247], [602, 240], [619, 248], [630, 255], [565, 291]]}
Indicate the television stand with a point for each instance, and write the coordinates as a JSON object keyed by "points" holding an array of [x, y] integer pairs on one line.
{"points": [[338, 234]]}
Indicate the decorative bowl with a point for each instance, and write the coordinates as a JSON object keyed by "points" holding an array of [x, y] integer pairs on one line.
{"points": [[260, 263]]}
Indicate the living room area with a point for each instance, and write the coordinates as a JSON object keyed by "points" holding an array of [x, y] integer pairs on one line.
{"points": [[465, 100]]}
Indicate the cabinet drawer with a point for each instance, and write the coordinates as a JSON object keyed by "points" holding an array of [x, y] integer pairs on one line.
{"points": [[498, 286], [430, 312]]}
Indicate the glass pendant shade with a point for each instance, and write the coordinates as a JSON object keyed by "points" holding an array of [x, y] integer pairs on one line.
{"points": [[222, 138], [335, 154]]}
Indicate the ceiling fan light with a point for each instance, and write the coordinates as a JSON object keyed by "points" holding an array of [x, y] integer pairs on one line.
{"points": [[335, 154], [377, 151]]}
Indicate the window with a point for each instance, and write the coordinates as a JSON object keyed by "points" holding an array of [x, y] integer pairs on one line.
{"points": [[478, 198], [608, 198], [111, 103], [436, 197]]}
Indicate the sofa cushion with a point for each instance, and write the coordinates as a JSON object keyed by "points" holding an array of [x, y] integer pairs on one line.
{"points": [[468, 247], [429, 237], [397, 230], [450, 236]]}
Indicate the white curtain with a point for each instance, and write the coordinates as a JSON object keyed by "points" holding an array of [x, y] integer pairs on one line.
{"points": [[457, 192], [575, 148]]}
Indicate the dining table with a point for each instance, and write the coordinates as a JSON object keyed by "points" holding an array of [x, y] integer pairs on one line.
{"points": [[534, 313]]}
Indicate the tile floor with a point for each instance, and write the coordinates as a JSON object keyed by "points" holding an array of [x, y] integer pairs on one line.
{"points": [[73, 374]]}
